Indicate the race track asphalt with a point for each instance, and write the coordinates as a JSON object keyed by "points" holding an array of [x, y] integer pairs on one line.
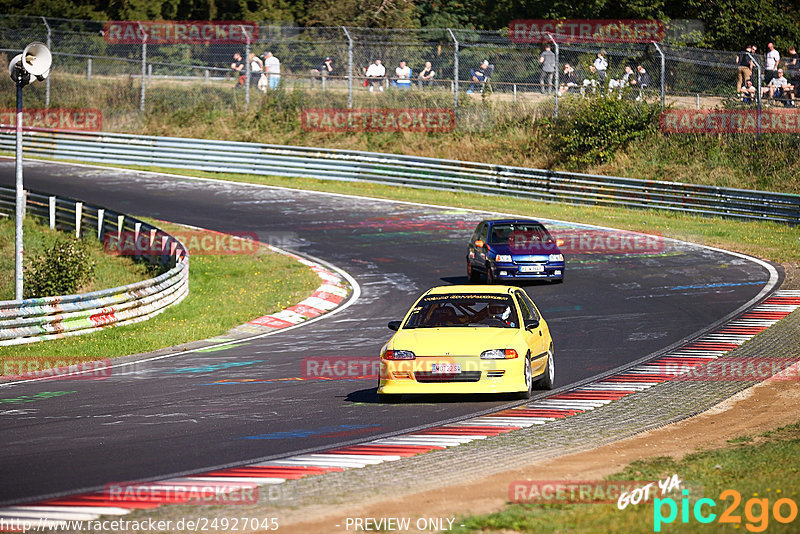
{"points": [[178, 415]]}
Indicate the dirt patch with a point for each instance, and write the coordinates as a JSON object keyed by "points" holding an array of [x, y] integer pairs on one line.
{"points": [[792, 275], [763, 407]]}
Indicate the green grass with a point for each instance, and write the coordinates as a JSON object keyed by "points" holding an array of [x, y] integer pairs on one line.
{"points": [[771, 241], [109, 271], [764, 469], [224, 291]]}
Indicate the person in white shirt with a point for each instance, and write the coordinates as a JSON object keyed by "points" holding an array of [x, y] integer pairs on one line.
{"points": [[273, 69], [375, 75], [403, 74], [601, 65], [256, 66], [773, 57], [779, 87]]}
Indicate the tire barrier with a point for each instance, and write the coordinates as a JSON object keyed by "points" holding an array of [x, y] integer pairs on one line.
{"points": [[40, 319]]}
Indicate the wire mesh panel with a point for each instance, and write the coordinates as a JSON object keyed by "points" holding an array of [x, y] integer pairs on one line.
{"points": [[478, 75]]}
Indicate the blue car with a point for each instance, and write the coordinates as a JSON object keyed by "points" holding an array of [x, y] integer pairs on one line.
{"points": [[514, 249]]}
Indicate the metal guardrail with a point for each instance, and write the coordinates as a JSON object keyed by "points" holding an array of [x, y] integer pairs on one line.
{"points": [[410, 171], [39, 319]]}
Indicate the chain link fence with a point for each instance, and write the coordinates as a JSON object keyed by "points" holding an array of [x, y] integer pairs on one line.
{"points": [[475, 72]]}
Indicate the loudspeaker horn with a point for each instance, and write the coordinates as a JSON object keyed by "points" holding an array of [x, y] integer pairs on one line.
{"points": [[36, 59]]}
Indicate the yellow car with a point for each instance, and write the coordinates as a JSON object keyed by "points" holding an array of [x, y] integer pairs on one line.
{"points": [[468, 339]]}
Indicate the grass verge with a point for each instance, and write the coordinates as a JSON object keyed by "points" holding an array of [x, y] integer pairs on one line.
{"points": [[762, 469], [224, 291], [109, 271]]}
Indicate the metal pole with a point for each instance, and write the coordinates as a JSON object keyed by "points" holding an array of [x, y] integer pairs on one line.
{"points": [[246, 68], [758, 95], [20, 199], [47, 81], [455, 67], [558, 75], [349, 69], [88, 69], [663, 73], [144, 67]]}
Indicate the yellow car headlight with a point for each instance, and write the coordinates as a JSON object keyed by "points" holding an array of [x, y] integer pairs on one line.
{"points": [[499, 354]]}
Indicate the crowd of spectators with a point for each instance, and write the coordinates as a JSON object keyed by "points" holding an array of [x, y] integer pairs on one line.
{"points": [[780, 78], [781, 75], [265, 71]]}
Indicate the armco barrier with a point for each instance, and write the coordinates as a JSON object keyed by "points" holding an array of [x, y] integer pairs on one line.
{"points": [[410, 171], [39, 319]]}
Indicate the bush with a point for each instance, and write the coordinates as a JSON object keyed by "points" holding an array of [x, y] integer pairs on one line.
{"points": [[61, 270], [591, 130]]}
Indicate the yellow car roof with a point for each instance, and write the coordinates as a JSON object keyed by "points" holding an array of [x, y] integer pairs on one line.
{"points": [[491, 290]]}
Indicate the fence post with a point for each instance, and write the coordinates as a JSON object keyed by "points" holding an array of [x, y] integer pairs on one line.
{"points": [[144, 66], [349, 69], [205, 76], [78, 217], [557, 75], [150, 74], [47, 80], [663, 73], [246, 68], [758, 94], [88, 69], [455, 68], [52, 203], [101, 212]]}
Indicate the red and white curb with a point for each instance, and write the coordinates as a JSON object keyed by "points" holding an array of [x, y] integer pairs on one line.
{"points": [[582, 399], [326, 298]]}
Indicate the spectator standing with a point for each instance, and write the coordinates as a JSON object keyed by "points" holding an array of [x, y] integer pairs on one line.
{"points": [[238, 70], [256, 66], [548, 76], [403, 76], [322, 71], [601, 65], [745, 68], [568, 80], [793, 66], [272, 66], [426, 75], [771, 65], [375, 75], [642, 81]]}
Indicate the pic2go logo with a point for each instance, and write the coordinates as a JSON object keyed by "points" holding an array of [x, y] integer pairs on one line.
{"points": [[756, 511]]}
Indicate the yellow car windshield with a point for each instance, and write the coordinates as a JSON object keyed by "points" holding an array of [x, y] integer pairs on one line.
{"points": [[440, 311]]}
